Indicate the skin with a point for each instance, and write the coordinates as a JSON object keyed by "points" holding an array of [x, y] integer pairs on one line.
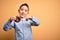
{"points": [[23, 12]]}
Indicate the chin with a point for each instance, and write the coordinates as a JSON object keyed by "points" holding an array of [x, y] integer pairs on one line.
{"points": [[22, 16]]}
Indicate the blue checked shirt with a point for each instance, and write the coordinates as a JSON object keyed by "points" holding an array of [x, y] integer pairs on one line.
{"points": [[22, 28]]}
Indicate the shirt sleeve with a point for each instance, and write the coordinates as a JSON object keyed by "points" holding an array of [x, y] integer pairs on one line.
{"points": [[34, 21], [8, 25]]}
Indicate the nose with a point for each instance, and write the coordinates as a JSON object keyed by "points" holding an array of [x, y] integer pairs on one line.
{"points": [[23, 12]]}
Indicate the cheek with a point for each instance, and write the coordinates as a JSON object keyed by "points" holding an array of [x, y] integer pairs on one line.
{"points": [[20, 11], [26, 13]]}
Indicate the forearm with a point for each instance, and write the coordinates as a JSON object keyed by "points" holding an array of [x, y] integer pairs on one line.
{"points": [[8, 25]]}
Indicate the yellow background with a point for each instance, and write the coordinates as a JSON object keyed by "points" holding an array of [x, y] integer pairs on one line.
{"points": [[47, 11]]}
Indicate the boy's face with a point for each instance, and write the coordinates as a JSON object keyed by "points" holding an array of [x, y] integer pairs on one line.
{"points": [[23, 11]]}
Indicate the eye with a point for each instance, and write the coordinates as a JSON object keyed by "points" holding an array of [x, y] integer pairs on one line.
{"points": [[21, 9], [26, 10]]}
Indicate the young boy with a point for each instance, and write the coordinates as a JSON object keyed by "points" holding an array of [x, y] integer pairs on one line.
{"points": [[22, 24]]}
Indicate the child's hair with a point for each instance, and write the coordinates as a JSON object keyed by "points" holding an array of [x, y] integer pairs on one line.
{"points": [[24, 4]]}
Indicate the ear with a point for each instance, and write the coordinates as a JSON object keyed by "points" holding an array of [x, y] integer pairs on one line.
{"points": [[18, 10], [28, 12]]}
